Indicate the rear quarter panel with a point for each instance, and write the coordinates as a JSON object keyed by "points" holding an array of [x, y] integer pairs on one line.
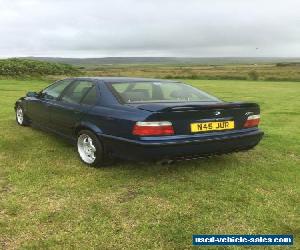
{"points": [[116, 120]]}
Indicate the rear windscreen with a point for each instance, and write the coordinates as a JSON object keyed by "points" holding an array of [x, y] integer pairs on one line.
{"points": [[136, 92]]}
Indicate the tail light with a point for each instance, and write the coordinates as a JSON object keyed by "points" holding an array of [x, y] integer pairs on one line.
{"points": [[153, 128], [252, 121]]}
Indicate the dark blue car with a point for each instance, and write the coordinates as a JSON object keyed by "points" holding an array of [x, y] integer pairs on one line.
{"points": [[141, 119]]}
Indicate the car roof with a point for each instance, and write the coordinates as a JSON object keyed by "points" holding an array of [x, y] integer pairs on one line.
{"points": [[122, 79]]}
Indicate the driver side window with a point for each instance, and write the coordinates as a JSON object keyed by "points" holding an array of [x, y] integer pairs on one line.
{"points": [[54, 90]]}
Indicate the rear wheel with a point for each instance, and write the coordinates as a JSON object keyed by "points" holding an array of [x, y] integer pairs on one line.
{"points": [[90, 149], [21, 117]]}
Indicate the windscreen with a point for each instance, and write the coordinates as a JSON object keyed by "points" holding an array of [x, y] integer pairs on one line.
{"points": [[144, 92]]}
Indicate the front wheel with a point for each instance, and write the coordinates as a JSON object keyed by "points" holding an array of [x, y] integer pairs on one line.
{"points": [[90, 149], [20, 117]]}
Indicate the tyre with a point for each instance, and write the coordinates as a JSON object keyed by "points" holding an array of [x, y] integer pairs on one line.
{"points": [[90, 149], [21, 117]]}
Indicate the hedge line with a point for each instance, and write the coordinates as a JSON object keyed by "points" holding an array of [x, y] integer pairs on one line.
{"points": [[25, 67]]}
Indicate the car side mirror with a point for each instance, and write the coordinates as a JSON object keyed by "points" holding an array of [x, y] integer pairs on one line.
{"points": [[32, 94]]}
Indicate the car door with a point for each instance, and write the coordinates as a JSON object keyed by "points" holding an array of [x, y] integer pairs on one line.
{"points": [[38, 108], [68, 110]]}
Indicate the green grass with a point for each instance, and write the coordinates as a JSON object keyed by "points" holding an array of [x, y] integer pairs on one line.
{"points": [[49, 199]]}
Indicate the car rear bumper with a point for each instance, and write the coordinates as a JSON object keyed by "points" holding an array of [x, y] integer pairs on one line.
{"points": [[170, 147]]}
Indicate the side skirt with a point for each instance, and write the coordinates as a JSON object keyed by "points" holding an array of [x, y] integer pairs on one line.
{"points": [[69, 139]]}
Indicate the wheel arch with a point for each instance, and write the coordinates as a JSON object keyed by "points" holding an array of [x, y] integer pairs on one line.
{"points": [[87, 126]]}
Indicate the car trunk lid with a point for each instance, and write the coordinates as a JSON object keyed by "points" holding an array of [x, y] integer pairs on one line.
{"points": [[183, 115]]}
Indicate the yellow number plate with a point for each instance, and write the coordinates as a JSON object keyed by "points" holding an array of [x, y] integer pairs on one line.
{"points": [[211, 126]]}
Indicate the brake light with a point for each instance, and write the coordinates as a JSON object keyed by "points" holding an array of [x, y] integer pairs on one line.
{"points": [[153, 128], [252, 121]]}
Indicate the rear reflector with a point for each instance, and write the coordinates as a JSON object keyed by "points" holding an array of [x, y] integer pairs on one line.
{"points": [[153, 128], [252, 121]]}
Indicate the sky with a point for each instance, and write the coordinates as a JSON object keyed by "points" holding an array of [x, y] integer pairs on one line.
{"points": [[190, 28]]}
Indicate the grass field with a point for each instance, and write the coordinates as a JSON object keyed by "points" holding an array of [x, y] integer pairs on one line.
{"points": [[49, 199]]}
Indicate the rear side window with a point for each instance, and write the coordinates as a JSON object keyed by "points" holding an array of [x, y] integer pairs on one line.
{"points": [[77, 92], [91, 97]]}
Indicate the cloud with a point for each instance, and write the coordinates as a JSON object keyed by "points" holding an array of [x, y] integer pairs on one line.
{"points": [[95, 28]]}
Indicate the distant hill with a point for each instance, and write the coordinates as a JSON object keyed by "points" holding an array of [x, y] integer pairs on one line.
{"points": [[165, 60]]}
